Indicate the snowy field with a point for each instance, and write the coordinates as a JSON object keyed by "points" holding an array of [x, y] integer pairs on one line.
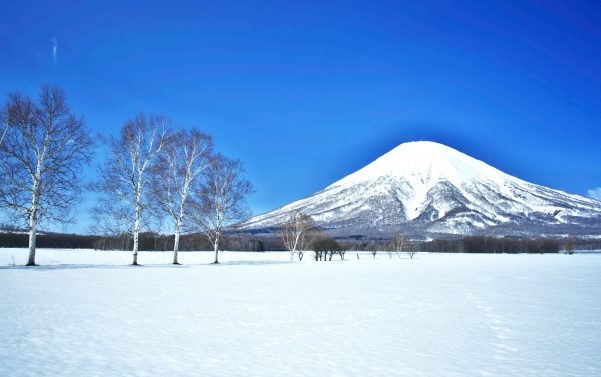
{"points": [[84, 313]]}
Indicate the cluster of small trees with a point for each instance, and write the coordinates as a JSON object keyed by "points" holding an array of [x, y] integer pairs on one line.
{"points": [[299, 234], [152, 172], [326, 248]]}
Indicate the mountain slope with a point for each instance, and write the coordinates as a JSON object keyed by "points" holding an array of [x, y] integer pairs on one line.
{"points": [[429, 188]]}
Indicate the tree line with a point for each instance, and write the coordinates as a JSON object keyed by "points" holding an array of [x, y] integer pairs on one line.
{"points": [[153, 176], [471, 244], [299, 234], [148, 241]]}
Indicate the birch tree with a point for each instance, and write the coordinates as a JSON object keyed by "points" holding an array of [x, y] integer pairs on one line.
{"points": [[179, 170], [124, 178], [221, 200], [296, 233], [43, 149], [398, 243]]}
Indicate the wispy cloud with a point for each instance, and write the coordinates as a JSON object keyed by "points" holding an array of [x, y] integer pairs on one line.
{"points": [[54, 49], [594, 193]]}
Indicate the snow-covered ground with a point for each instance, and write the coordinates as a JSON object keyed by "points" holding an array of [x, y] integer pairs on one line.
{"points": [[259, 315]]}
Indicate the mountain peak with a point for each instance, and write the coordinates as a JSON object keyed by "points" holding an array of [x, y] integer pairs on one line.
{"points": [[425, 162], [425, 187]]}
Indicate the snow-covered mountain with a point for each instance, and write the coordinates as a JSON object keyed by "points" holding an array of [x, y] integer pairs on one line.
{"points": [[428, 188]]}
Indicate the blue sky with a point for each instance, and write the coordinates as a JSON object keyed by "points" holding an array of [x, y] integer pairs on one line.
{"points": [[306, 92]]}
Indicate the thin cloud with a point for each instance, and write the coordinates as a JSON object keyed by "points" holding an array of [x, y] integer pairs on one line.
{"points": [[594, 193], [54, 49]]}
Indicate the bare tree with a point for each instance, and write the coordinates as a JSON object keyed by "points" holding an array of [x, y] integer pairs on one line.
{"points": [[179, 169], [43, 149], [125, 176], [398, 243], [296, 233], [221, 200]]}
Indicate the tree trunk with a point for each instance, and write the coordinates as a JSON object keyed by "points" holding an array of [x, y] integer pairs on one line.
{"points": [[33, 224], [33, 217], [176, 246], [216, 249], [135, 261], [136, 243], [136, 232], [180, 220]]}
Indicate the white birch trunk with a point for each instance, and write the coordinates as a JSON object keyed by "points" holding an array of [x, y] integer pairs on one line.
{"points": [[216, 249], [293, 251], [33, 216], [136, 234], [137, 214], [33, 224], [176, 242], [180, 219]]}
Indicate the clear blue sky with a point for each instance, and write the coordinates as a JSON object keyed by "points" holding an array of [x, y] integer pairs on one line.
{"points": [[306, 92]]}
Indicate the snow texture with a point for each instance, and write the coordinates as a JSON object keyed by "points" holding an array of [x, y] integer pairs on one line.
{"points": [[258, 315], [429, 187]]}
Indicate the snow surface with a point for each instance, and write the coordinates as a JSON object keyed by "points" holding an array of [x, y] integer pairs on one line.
{"points": [[259, 315]]}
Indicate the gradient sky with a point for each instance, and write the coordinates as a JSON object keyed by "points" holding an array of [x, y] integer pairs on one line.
{"points": [[307, 92]]}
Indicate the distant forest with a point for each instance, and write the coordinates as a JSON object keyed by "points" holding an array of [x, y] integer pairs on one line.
{"points": [[199, 242], [148, 242]]}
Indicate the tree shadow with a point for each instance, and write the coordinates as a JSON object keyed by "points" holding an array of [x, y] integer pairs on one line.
{"points": [[55, 267], [58, 266], [252, 263]]}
